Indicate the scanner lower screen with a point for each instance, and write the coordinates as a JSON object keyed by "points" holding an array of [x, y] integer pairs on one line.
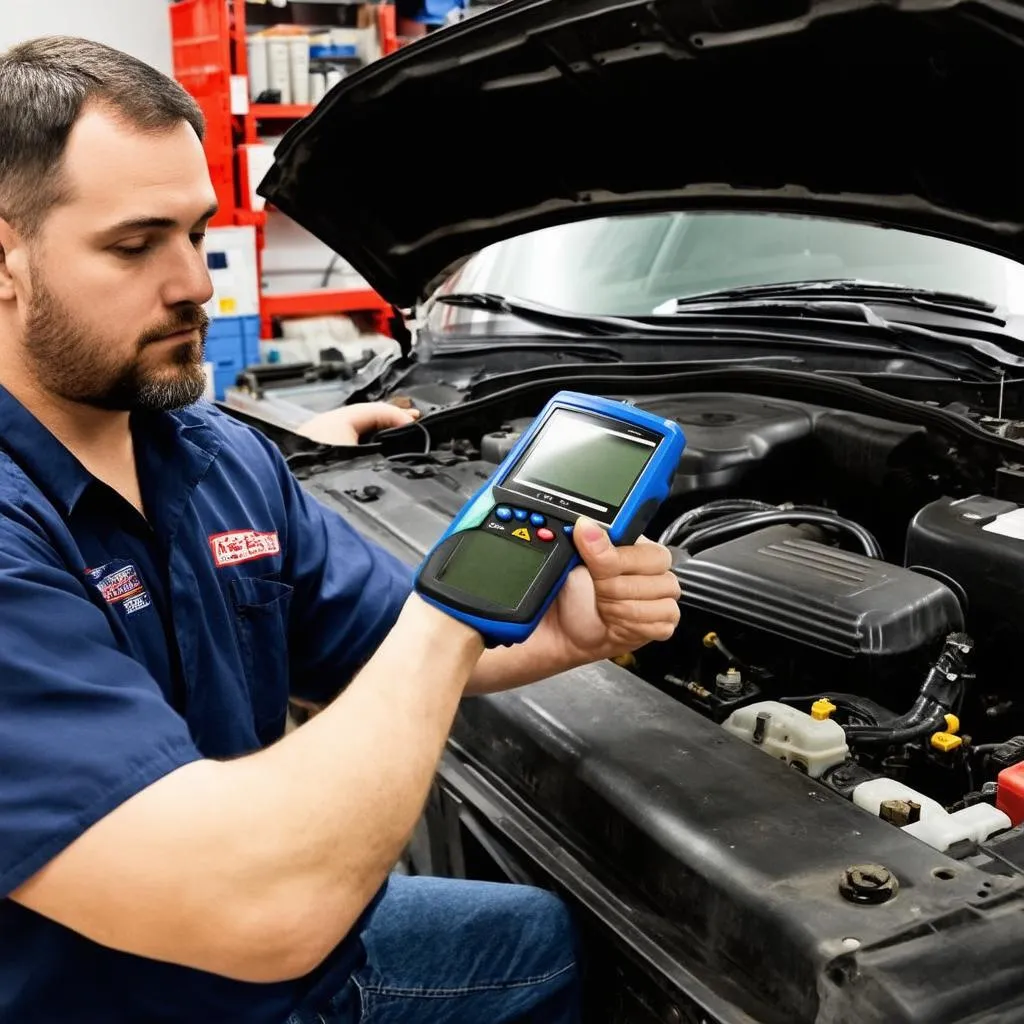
{"points": [[493, 567], [577, 455]]}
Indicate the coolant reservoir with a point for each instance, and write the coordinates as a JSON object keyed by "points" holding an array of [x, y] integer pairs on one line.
{"points": [[934, 825], [791, 735], [872, 794]]}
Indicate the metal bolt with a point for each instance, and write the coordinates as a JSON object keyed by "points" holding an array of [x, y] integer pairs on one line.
{"points": [[868, 883], [730, 682], [900, 812]]}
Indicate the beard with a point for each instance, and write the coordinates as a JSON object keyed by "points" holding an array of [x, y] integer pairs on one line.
{"points": [[70, 361]]}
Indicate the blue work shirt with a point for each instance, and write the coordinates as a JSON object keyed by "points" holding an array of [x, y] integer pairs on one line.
{"points": [[131, 646]]}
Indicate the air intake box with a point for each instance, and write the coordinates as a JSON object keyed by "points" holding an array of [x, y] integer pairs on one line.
{"points": [[779, 587]]}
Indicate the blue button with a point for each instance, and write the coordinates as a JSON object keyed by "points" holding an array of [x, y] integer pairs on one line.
{"points": [[502, 513], [537, 519], [567, 529], [520, 514]]}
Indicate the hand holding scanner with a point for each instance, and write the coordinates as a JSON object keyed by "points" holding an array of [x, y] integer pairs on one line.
{"points": [[504, 558]]}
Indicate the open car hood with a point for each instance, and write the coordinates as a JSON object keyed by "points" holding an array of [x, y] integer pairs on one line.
{"points": [[544, 111]]}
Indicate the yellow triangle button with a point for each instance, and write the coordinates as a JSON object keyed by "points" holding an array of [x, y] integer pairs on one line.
{"points": [[522, 533]]}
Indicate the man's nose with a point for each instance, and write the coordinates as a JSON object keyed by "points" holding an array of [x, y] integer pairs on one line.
{"points": [[189, 277]]}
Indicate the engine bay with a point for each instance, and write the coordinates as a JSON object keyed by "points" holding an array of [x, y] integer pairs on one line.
{"points": [[850, 602]]}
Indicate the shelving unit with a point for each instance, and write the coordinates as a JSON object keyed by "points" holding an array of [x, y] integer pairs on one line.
{"points": [[279, 111], [210, 61], [321, 301]]}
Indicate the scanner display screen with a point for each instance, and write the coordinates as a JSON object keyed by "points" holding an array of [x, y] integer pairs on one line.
{"points": [[577, 456], [493, 568]]}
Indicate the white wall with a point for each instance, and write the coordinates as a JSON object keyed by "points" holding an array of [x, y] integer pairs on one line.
{"points": [[139, 27]]}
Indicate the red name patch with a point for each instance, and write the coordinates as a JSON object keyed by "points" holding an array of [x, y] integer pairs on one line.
{"points": [[243, 546]]}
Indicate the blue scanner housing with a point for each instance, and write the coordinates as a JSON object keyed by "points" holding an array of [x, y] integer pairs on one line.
{"points": [[505, 556]]}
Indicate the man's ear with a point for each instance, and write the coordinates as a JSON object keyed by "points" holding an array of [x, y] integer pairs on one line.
{"points": [[9, 243]]}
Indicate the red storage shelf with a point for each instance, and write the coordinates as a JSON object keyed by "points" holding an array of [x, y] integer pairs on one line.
{"points": [[201, 55], [321, 301], [208, 39], [285, 111]]}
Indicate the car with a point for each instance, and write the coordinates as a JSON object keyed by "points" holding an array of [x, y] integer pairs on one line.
{"points": [[796, 228]]}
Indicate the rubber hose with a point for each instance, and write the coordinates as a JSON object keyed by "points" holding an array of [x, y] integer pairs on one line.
{"points": [[716, 530]]}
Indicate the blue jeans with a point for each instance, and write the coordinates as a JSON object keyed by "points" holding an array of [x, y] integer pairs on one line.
{"points": [[449, 951]]}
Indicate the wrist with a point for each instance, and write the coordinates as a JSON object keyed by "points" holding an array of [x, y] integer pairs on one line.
{"points": [[437, 627]]}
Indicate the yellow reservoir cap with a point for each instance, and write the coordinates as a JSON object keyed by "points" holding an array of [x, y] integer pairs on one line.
{"points": [[946, 741], [822, 709]]}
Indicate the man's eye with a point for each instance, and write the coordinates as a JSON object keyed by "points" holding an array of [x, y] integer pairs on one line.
{"points": [[198, 238], [131, 250]]}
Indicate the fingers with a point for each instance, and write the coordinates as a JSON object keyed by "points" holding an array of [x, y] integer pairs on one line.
{"points": [[605, 561], [642, 613], [596, 549], [347, 424], [656, 632], [636, 592], [408, 414], [640, 588], [644, 559], [367, 416], [636, 623]]}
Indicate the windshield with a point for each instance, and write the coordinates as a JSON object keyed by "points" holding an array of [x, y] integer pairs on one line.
{"points": [[630, 265]]}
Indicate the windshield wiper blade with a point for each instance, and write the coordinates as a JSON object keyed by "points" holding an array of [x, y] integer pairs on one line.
{"points": [[849, 289], [545, 316], [993, 347]]}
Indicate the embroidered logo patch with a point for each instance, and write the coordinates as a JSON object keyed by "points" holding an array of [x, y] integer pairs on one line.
{"points": [[243, 546], [120, 585]]}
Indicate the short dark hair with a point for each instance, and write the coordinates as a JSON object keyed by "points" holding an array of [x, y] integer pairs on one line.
{"points": [[44, 86]]}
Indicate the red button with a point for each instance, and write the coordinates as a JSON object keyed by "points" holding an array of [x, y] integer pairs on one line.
{"points": [[545, 534]]}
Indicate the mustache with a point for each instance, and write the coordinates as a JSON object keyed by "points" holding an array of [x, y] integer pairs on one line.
{"points": [[186, 318]]}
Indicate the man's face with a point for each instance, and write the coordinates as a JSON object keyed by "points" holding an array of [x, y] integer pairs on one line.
{"points": [[112, 285]]}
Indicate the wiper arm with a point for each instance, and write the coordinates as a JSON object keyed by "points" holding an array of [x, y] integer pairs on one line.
{"points": [[851, 289], [545, 316], [758, 326]]}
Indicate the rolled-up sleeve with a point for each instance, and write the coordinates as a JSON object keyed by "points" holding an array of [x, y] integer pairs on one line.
{"points": [[83, 727]]}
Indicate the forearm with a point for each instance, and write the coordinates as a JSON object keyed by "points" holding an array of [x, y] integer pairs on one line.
{"points": [[256, 868], [346, 790]]}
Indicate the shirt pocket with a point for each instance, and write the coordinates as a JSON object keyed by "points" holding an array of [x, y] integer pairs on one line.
{"points": [[261, 608]]}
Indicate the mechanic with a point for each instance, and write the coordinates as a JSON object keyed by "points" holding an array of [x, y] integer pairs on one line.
{"points": [[167, 852]]}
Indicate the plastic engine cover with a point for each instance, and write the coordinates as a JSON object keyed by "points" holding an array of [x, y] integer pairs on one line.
{"points": [[979, 543], [844, 604]]}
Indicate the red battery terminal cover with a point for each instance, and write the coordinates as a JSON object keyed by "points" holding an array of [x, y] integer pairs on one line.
{"points": [[1010, 792]]}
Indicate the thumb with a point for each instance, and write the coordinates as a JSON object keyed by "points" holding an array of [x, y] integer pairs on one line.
{"points": [[596, 549]]}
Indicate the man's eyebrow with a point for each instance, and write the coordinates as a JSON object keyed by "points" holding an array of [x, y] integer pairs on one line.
{"points": [[154, 223]]}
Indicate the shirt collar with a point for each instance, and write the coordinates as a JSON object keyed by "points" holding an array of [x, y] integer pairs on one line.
{"points": [[46, 461], [179, 443], [173, 451]]}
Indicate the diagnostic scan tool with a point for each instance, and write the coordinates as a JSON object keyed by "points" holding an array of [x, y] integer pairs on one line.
{"points": [[507, 553]]}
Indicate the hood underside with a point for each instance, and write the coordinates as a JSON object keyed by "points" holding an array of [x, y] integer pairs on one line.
{"points": [[545, 111]]}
